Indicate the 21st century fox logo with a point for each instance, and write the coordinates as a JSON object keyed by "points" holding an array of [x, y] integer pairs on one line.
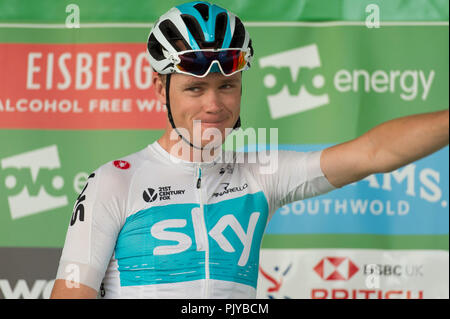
{"points": [[295, 81], [33, 182]]}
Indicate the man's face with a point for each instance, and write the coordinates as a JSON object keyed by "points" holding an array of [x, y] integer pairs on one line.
{"points": [[214, 100]]}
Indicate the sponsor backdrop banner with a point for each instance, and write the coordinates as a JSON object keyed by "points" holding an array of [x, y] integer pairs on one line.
{"points": [[75, 93]]}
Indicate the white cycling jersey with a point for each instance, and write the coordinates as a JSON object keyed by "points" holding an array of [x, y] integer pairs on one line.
{"points": [[148, 227]]}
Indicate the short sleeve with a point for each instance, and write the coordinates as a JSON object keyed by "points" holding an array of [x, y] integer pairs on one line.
{"points": [[292, 176], [92, 232]]}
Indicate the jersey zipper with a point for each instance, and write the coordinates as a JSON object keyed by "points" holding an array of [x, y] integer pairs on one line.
{"points": [[203, 222], [199, 179]]}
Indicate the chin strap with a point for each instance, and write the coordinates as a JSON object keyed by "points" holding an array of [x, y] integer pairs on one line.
{"points": [[169, 113]]}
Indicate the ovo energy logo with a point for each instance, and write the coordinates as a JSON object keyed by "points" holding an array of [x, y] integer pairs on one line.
{"points": [[33, 183], [295, 81], [298, 94]]}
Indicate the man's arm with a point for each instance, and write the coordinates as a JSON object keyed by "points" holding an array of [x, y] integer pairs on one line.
{"points": [[386, 147], [63, 289]]}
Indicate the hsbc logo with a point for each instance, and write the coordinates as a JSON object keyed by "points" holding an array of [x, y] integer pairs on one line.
{"points": [[336, 268]]}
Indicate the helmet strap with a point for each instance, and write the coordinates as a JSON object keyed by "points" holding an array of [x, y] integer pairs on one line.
{"points": [[169, 113]]}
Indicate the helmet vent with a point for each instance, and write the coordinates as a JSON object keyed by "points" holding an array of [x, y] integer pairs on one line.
{"points": [[171, 33], [194, 28], [155, 48], [239, 35], [203, 9], [221, 28]]}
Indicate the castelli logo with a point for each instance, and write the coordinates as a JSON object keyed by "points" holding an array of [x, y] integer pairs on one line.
{"points": [[122, 164], [336, 268]]}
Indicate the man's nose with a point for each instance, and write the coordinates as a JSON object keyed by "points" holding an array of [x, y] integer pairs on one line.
{"points": [[212, 102]]}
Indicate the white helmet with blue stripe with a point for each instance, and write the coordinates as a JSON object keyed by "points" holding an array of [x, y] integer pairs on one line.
{"points": [[194, 26]]}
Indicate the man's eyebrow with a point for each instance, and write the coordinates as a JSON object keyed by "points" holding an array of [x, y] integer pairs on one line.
{"points": [[204, 83], [196, 83], [230, 80]]}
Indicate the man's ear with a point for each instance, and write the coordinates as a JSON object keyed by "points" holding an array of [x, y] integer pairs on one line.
{"points": [[159, 86]]}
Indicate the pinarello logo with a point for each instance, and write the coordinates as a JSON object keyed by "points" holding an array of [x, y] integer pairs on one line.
{"points": [[122, 164], [336, 268]]}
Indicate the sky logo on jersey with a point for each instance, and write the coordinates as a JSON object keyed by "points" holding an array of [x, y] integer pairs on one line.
{"points": [[33, 182], [412, 200], [295, 94], [168, 244]]}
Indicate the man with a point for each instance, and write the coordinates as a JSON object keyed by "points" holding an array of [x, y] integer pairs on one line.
{"points": [[166, 222]]}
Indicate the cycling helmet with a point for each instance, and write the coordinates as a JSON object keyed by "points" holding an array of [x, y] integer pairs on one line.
{"points": [[195, 26]]}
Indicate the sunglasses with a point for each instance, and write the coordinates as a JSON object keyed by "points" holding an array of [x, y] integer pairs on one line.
{"points": [[199, 62]]}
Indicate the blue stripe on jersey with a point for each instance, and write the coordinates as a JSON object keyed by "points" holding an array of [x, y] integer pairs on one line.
{"points": [[158, 245]]}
